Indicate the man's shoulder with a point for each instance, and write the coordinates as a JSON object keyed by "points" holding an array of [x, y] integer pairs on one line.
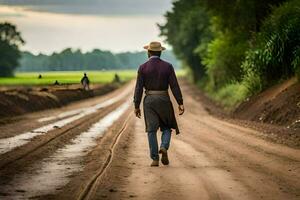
{"points": [[165, 62], [161, 62], [166, 65], [144, 64]]}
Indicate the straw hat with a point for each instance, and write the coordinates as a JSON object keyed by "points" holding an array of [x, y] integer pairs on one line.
{"points": [[154, 46]]}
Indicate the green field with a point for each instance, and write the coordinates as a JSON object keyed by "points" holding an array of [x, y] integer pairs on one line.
{"points": [[64, 77]]}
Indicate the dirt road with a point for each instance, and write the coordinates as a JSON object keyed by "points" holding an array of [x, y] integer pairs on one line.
{"points": [[102, 153]]}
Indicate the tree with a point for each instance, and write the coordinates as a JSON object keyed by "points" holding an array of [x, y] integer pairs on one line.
{"points": [[187, 26], [10, 41], [212, 36], [276, 55], [70, 59]]}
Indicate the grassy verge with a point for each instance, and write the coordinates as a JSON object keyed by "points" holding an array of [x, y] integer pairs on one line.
{"points": [[228, 96], [69, 77]]}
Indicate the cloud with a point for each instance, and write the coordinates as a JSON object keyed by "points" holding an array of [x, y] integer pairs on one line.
{"points": [[95, 7], [4, 15]]}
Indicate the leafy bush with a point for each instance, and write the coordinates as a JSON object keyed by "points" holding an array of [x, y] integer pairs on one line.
{"points": [[277, 53], [296, 63], [230, 95], [224, 57], [252, 79], [187, 27]]}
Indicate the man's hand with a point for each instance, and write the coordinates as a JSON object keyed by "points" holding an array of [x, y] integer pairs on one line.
{"points": [[137, 112], [181, 109]]}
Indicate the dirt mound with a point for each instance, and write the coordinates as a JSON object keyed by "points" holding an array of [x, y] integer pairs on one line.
{"points": [[278, 105], [18, 101]]}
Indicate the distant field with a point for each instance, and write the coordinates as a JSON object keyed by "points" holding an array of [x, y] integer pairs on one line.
{"points": [[31, 78], [64, 77]]}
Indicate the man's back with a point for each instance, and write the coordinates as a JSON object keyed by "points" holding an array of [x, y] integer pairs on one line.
{"points": [[85, 80], [156, 76], [156, 73]]}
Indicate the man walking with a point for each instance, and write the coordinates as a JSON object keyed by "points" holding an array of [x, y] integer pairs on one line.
{"points": [[85, 82], [156, 76]]}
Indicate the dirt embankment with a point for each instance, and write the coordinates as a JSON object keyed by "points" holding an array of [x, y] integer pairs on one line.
{"points": [[279, 105], [18, 101]]}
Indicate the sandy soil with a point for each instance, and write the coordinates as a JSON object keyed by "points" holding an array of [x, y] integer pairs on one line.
{"points": [[212, 158], [46, 163], [279, 105], [16, 101]]}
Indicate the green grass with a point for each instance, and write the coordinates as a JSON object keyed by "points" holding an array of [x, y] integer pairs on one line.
{"points": [[64, 77], [229, 96], [181, 73], [69, 77]]}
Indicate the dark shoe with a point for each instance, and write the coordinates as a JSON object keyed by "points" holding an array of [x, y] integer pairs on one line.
{"points": [[164, 157], [155, 163]]}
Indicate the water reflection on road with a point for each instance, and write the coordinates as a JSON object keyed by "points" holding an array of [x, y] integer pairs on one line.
{"points": [[8, 144], [54, 172]]}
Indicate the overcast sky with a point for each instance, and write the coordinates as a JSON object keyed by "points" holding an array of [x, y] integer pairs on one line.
{"points": [[95, 7], [116, 25]]}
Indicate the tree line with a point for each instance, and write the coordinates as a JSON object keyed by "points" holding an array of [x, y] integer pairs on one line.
{"points": [[11, 58], [235, 49], [74, 60]]}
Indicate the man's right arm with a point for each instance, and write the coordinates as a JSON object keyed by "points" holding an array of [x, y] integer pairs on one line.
{"points": [[175, 87], [138, 92], [176, 90]]}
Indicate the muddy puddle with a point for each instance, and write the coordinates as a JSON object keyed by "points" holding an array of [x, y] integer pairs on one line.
{"points": [[8, 144], [77, 111], [61, 115], [51, 174]]}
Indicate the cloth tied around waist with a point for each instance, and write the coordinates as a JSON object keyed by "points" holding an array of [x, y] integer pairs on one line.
{"points": [[158, 111], [157, 92]]}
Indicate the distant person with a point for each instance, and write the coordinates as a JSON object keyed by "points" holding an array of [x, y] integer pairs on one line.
{"points": [[156, 76], [56, 82], [117, 78], [85, 82]]}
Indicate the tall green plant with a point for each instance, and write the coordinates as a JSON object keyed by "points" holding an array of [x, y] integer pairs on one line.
{"points": [[276, 55], [224, 57], [187, 27]]}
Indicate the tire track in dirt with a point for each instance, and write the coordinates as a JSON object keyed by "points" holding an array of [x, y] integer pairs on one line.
{"points": [[31, 121], [50, 133], [211, 159], [255, 153], [63, 162], [241, 147], [23, 160], [9, 144], [44, 139]]}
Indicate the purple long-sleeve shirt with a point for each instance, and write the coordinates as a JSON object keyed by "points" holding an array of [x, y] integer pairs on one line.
{"points": [[156, 74]]}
